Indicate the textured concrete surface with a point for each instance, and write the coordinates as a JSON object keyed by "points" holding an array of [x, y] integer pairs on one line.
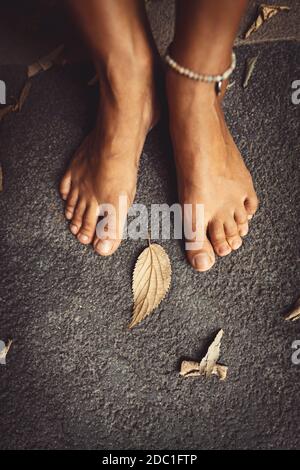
{"points": [[75, 376]]}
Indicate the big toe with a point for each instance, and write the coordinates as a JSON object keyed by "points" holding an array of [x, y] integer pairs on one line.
{"points": [[109, 230], [203, 259]]}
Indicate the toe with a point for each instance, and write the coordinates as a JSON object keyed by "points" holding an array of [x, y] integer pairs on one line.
{"points": [[65, 185], [232, 234], [109, 231], [241, 219], [243, 229], [106, 245], [71, 203], [202, 260], [218, 238], [89, 223], [251, 204], [76, 221]]}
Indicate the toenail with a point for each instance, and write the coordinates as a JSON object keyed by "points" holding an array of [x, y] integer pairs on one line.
{"points": [[104, 246], [224, 250], [202, 261], [236, 244], [83, 238], [250, 216], [69, 214], [74, 228], [243, 232]]}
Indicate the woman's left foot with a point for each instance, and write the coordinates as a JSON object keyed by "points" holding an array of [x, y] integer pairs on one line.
{"points": [[210, 168]]}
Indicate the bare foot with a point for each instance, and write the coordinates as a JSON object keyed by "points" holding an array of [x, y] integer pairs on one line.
{"points": [[210, 169], [105, 166]]}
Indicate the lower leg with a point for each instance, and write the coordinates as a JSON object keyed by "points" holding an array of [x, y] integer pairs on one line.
{"points": [[106, 163], [205, 32], [209, 166]]}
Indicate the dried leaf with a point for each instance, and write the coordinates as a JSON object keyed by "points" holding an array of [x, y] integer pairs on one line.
{"points": [[265, 12], [230, 85], [1, 179], [294, 314], [93, 80], [23, 96], [208, 364], [12, 108], [4, 351], [55, 57], [250, 65], [220, 371], [151, 281], [7, 110], [33, 69]]}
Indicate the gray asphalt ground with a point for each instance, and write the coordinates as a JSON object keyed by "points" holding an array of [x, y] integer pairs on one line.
{"points": [[75, 376]]}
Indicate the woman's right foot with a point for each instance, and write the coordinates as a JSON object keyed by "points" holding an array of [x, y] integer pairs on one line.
{"points": [[106, 164]]}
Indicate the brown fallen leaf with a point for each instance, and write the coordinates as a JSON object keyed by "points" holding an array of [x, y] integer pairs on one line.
{"points": [[55, 57], [17, 107], [5, 111], [4, 351], [294, 314], [265, 12], [151, 281], [23, 96], [208, 365], [250, 65]]}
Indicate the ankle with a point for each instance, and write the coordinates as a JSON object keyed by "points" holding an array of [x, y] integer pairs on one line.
{"points": [[123, 68], [185, 92], [213, 59]]}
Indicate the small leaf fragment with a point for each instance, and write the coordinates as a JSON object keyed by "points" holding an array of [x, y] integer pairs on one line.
{"points": [[33, 69], [230, 85], [265, 12], [208, 365], [151, 281], [294, 314], [12, 108], [4, 351], [5, 111], [23, 96], [250, 65], [55, 57]]}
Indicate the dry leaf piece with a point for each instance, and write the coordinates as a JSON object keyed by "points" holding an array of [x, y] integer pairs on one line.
{"points": [[7, 110], [12, 108], [4, 351], [208, 365], [55, 57], [250, 65], [151, 281], [23, 96], [230, 85], [210, 359], [265, 12], [33, 69], [294, 314]]}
